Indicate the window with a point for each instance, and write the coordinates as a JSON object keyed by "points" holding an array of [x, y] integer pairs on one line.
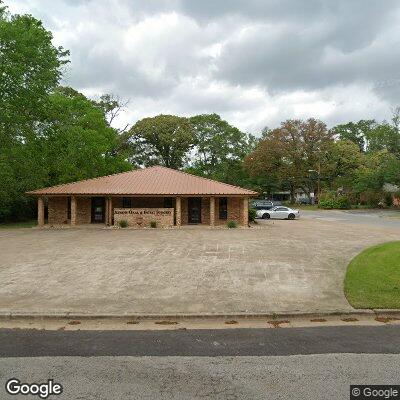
{"points": [[168, 202], [223, 208], [126, 202]]}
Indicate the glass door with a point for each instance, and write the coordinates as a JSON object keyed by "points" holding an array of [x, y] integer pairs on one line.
{"points": [[98, 208], [194, 210]]}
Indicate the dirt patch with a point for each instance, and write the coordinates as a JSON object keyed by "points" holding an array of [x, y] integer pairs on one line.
{"points": [[166, 323], [318, 320], [386, 319], [278, 323], [349, 319]]}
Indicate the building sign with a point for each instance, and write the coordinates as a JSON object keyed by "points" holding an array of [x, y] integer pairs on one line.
{"points": [[143, 217]]}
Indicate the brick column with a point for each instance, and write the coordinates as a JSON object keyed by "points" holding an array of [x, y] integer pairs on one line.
{"points": [[110, 211], [245, 210], [212, 211], [40, 214], [107, 212], [73, 210], [178, 212]]}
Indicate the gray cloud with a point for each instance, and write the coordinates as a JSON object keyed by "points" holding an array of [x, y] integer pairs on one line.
{"points": [[254, 61]]}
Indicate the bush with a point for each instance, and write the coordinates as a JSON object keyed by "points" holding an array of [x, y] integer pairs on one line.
{"points": [[123, 223], [342, 203], [231, 224], [330, 201], [389, 199], [327, 204], [252, 214], [372, 198], [153, 224]]}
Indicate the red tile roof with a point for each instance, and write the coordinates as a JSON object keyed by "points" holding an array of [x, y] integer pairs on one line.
{"points": [[149, 181]]}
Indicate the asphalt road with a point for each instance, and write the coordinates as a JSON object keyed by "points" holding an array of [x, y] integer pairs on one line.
{"points": [[376, 218], [292, 363], [311, 377], [221, 342]]}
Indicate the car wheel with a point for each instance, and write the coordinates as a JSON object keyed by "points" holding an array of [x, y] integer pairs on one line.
{"points": [[291, 216], [266, 216]]}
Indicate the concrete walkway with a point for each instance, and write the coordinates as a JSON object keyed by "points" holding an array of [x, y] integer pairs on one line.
{"points": [[281, 266]]}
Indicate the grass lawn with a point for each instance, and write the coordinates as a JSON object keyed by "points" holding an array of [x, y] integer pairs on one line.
{"points": [[24, 224], [373, 277]]}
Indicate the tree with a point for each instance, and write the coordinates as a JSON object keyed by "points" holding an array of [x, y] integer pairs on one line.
{"points": [[78, 143], [342, 159], [111, 107], [357, 132], [371, 136], [219, 149], [163, 140], [378, 169], [290, 153], [30, 69]]}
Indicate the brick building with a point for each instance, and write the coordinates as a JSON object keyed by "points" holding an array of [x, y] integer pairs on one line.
{"points": [[163, 195]]}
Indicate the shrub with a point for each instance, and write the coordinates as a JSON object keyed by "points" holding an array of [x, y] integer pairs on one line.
{"points": [[123, 223], [153, 224], [342, 203], [231, 224], [330, 201], [252, 214], [389, 199], [326, 204], [373, 198]]}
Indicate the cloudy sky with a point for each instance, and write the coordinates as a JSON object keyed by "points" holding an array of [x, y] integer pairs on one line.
{"points": [[254, 62]]}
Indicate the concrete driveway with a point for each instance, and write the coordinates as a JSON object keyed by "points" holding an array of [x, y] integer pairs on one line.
{"points": [[278, 266]]}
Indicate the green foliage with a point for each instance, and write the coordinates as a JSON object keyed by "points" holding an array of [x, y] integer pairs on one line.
{"points": [[388, 199], [330, 201], [252, 214], [78, 143], [292, 154], [30, 69], [153, 224], [371, 198], [161, 140], [219, 147], [343, 203], [231, 224], [48, 135], [123, 223]]}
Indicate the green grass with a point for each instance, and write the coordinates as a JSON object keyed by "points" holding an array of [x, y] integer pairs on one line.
{"points": [[23, 224], [373, 277]]}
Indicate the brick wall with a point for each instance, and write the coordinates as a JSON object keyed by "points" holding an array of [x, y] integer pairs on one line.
{"points": [[142, 217], [205, 211], [235, 209], [83, 210], [184, 211], [58, 210]]}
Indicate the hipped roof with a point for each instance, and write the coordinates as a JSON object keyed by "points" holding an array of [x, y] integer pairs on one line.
{"points": [[149, 181]]}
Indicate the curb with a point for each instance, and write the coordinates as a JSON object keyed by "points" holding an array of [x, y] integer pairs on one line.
{"points": [[273, 315]]}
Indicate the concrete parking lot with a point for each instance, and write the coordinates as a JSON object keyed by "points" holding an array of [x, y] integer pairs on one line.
{"points": [[276, 267]]}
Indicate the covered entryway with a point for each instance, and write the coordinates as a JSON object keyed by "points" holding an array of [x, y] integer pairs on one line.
{"points": [[98, 210], [194, 210]]}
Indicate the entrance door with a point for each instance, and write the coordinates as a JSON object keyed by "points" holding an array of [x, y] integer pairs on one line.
{"points": [[194, 210], [98, 209]]}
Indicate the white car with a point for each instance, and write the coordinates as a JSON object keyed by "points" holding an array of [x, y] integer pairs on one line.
{"points": [[278, 212]]}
